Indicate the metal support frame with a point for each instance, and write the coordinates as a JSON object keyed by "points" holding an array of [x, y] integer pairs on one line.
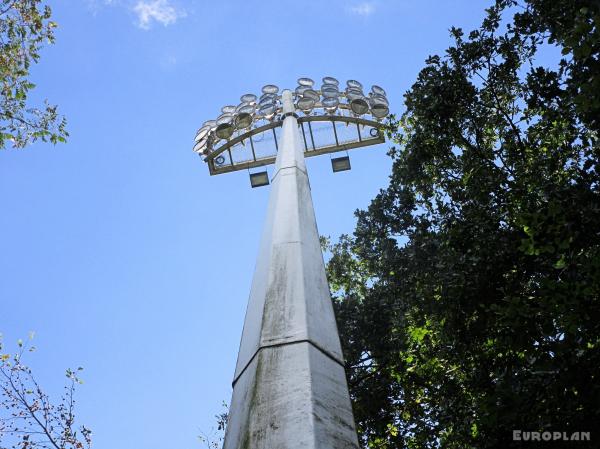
{"points": [[215, 169]]}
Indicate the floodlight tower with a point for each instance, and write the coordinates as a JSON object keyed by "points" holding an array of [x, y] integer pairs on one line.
{"points": [[289, 387]]}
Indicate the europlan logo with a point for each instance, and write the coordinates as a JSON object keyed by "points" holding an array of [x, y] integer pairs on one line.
{"points": [[523, 435]]}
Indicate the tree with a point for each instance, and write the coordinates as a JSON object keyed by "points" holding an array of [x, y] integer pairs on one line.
{"points": [[25, 26], [28, 419], [468, 297]]}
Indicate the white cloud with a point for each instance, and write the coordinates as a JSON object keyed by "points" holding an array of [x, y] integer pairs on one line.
{"points": [[363, 9], [160, 11]]}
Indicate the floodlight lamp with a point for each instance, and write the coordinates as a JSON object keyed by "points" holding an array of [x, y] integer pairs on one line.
{"points": [[305, 104], [340, 164], [301, 89], [259, 179], [306, 82], [379, 111], [359, 106], [330, 92], [330, 104], [379, 106], [354, 84], [243, 120], [228, 109], [270, 89], [267, 98], [248, 98], [225, 117], [376, 98], [244, 107], [200, 146], [268, 110], [377, 90], [309, 93], [224, 126], [353, 94], [224, 131], [202, 133], [331, 80]]}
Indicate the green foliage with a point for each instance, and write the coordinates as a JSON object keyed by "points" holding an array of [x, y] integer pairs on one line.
{"points": [[25, 26], [467, 299]]}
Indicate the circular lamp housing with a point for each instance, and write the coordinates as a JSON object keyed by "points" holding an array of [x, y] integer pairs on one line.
{"points": [[359, 106], [331, 80], [245, 107], [354, 94], [330, 92], [200, 146], [330, 104], [270, 89], [266, 98], [377, 90], [379, 106], [379, 110], [224, 131], [378, 99], [226, 117], [202, 133], [243, 120], [354, 84], [309, 93], [306, 104], [228, 109], [268, 110], [210, 123], [301, 89], [224, 126], [248, 98], [306, 82]]}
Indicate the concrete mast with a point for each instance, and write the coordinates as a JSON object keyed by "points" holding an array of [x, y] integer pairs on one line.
{"points": [[289, 388]]}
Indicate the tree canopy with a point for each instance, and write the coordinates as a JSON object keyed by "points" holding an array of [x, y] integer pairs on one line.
{"points": [[468, 297], [25, 27]]}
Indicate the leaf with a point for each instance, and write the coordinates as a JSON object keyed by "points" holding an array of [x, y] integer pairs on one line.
{"points": [[560, 263]]}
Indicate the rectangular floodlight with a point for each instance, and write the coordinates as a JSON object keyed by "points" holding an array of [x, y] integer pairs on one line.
{"points": [[259, 179], [340, 163]]}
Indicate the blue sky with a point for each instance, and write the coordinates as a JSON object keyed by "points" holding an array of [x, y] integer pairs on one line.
{"points": [[118, 249]]}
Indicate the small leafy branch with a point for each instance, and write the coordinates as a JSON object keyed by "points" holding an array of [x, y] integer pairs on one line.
{"points": [[28, 420], [214, 439]]}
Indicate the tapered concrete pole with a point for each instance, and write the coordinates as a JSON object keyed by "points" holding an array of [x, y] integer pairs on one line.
{"points": [[289, 389]]}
